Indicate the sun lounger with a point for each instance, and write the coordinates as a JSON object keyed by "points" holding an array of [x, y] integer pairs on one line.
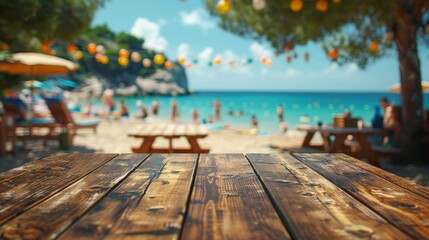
{"points": [[26, 129], [63, 116]]}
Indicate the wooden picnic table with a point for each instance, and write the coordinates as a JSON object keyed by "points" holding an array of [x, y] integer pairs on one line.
{"points": [[340, 135], [216, 196], [150, 132]]}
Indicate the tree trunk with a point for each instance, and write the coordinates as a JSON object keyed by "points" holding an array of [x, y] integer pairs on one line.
{"points": [[414, 145]]}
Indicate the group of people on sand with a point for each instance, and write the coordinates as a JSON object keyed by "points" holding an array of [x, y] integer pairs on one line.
{"points": [[109, 110]]}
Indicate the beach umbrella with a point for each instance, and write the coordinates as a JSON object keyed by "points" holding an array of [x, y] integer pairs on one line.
{"points": [[397, 87], [61, 82], [34, 84], [36, 64]]}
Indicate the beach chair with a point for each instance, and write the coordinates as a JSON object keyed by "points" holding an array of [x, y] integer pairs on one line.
{"points": [[62, 115], [21, 128]]}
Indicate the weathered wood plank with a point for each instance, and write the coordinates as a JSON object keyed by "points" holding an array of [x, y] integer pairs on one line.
{"points": [[50, 218], [44, 180], [306, 201], [98, 222], [402, 182], [150, 203], [228, 202], [30, 166], [402, 208]]}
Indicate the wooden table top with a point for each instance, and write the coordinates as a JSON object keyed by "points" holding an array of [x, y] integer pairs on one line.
{"points": [[169, 130], [225, 196], [333, 130]]}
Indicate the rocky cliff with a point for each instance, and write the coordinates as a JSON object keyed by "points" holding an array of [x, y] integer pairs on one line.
{"points": [[161, 82]]}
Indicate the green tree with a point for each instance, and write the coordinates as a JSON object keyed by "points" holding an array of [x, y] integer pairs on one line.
{"points": [[349, 26], [25, 23]]}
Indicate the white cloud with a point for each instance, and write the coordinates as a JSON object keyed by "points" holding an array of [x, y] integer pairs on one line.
{"points": [[352, 68], [258, 50], [332, 68], [197, 17], [150, 31], [205, 55], [264, 71], [183, 50], [162, 22], [292, 72]]}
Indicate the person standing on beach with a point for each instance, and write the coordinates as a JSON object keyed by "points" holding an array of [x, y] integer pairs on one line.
{"points": [[217, 107], [174, 112], [280, 113], [195, 115], [254, 122], [387, 116], [123, 109], [108, 102], [143, 111], [154, 108]]}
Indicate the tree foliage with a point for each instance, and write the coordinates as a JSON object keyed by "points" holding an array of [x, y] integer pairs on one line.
{"points": [[26, 23], [350, 25]]}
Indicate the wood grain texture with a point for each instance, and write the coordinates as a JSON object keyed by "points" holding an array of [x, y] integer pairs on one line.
{"points": [[402, 182], [30, 166], [228, 202], [306, 201], [50, 218], [111, 211], [43, 180], [404, 209], [150, 204]]}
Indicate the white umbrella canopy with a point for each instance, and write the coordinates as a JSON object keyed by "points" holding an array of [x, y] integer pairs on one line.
{"points": [[36, 64], [397, 87]]}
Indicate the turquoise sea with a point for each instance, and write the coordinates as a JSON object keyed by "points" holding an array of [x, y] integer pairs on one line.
{"points": [[318, 106]]}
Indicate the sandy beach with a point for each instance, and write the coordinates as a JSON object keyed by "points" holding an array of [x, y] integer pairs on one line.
{"points": [[112, 137]]}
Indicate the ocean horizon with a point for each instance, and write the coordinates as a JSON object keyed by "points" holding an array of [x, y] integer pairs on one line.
{"points": [[300, 107]]}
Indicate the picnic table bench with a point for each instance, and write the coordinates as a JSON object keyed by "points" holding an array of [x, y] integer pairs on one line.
{"points": [[209, 196], [360, 135], [150, 132]]}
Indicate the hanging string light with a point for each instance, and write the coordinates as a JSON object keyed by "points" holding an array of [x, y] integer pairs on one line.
{"points": [[91, 48], [100, 49], [182, 60], [135, 57], [333, 54], [104, 60], [124, 53], [306, 56], [321, 5], [259, 4], [296, 5], [373, 47], [78, 55], [71, 48], [123, 61], [146, 63], [224, 6], [217, 61], [159, 59], [169, 65]]}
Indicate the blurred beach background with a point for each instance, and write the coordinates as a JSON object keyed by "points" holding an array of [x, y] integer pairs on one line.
{"points": [[299, 107]]}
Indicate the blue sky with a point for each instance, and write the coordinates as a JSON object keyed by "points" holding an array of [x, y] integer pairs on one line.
{"points": [[185, 29]]}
